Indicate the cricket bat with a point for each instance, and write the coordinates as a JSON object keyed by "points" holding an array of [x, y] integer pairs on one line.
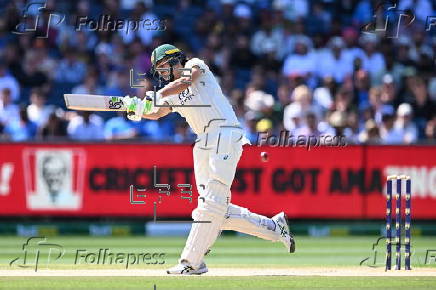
{"points": [[85, 102]]}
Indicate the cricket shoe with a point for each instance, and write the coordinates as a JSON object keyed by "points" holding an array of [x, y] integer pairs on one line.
{"points": [[282, 229], [184, 268]]}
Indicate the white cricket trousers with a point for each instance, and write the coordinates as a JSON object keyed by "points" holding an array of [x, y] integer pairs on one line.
{"points": [[216, 156]]}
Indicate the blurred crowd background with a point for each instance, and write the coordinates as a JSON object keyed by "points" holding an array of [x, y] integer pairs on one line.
{"points": [[304, 66]]}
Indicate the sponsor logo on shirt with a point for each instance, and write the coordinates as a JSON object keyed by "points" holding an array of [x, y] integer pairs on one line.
{"points": [[185, 96]]}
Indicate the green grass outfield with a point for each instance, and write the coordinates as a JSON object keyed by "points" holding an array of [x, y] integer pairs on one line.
{"points": [[234, 253]]}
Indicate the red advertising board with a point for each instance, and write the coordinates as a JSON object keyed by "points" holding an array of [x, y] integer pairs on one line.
{"points": [[95, 179]]}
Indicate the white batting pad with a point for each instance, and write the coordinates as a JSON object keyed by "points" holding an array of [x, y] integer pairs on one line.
{"points": [[211, 207], [242, 220]]}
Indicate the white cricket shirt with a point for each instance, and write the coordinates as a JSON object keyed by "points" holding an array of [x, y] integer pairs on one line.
{"points": [[215, 110]]}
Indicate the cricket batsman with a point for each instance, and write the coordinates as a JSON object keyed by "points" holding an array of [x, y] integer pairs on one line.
{"points": [[194, 93]]}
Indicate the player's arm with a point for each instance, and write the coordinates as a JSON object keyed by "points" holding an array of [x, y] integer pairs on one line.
{"points": [[145, 108], [177, 86], [161, 112]]}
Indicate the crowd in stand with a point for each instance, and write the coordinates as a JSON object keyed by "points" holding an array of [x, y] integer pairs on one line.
{"points": [[304, 66]]}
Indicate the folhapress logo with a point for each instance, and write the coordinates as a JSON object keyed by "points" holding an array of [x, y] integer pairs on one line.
{"points": [[392, 20], [37, 251], [38, 21], [107, 257], [37, 18]]}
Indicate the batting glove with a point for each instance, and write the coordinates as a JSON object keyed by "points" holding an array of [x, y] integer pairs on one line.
{"points": [[136, 107]]}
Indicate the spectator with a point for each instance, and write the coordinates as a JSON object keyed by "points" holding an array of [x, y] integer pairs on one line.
{"points": [[140, 57], [333, 62], [372, 60], [171, 35], [119, 85], [277, 110], [388, 90], [397, 62], [338, 123], [265, 126], [70, 70], [292, 36], [376, 103], [432, 89], [46, 63], [104, 62], [128, 35], [301, 62], [185, 17], [183, 134], [55, 128], [90, 86], [423, 107], [363, 12], [120, 128], [85, 126], [22, 129], [322, 96], [343, 100], [404, 123], [389, 134], [250, 127], [243, 14], [365, 115], [295, 112], [156, 130], [237, 101], [118, 50], [266, 40], [310, 127], [421, 52], [319, 20], [146, 35], [420, 8], [9, 112], [215, 54], [242, 59], [350, 37], [371, 134], [430, 130], [259, 102], [8, 81], [353, 128], [38, 111], [293, 9], [13, 59], [32, 76]]}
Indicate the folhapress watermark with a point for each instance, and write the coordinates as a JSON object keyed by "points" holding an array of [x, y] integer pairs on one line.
{"points": [[38, 252], [108, 23], [286, 139], [393, 20], [430, 21], [38, 23], [107, 257], [37, 19], [430, 257], [377, 256], [388, 20]]}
